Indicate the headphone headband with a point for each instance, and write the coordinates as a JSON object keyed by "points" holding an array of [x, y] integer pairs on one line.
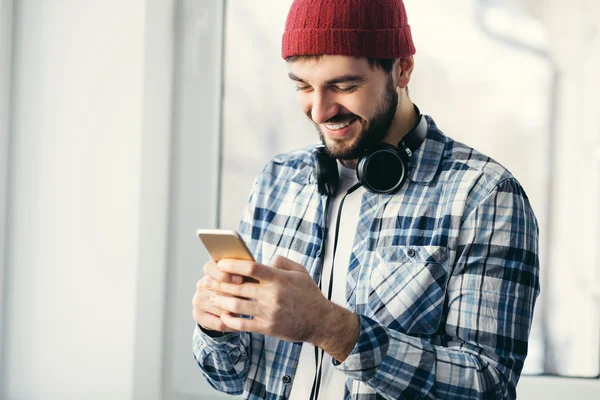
{"points": [[415, 137], [326, 171]]}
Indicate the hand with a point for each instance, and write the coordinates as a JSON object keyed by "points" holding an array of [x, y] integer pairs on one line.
{"points": [[285, 303], [206, 314]]}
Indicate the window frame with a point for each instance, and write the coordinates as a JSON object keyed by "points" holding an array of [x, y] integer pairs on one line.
{"points": [[6, 51], [151, 289], [555, 387], [195, 159]]}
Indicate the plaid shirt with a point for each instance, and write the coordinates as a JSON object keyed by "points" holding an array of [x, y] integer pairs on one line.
{"points": [[443, 274]]}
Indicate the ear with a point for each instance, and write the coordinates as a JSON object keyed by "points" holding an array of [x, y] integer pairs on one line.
{"points": [[403, 69]]}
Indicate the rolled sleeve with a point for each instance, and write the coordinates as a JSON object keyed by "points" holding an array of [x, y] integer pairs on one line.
{"points": [[223, 360]]}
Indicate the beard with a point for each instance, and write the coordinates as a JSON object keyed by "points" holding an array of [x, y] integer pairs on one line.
{"points": [[373, 131]]}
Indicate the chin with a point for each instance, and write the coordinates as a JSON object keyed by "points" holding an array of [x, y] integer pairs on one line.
{"points": [[342, 151]]}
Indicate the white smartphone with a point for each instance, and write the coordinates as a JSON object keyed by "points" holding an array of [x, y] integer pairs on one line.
{"points": [[223, 243]]}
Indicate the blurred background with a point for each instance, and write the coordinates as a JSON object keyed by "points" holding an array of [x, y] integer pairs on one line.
{"points": [[125, 126]]}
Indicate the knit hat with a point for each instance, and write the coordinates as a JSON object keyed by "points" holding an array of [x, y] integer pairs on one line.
{"points": [[358, 28]]}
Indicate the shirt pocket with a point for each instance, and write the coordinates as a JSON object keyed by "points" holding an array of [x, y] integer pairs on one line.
{"points": [[407, 288]]}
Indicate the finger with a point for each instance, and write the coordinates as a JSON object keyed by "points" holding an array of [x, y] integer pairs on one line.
{"points": [[203, 284], [240, 324], [210, 308], [246, 290], [201, 307], [214, 272], [201, 304], [286, 264], [236, 305], [199, 314], [214, 323], [250, 269]]}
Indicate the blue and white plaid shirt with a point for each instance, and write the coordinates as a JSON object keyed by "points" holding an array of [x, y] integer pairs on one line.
{"points": [[444, 275]]}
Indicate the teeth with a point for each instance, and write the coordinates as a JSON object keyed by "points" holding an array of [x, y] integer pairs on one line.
{"points": [[337, 127]]}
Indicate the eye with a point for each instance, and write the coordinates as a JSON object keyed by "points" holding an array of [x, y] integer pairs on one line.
{"points": [[349, 89], [302, 88]]}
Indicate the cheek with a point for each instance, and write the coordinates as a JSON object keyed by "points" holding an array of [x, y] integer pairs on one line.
{"points": [[357, 108], [303, 102], [363, 103]]}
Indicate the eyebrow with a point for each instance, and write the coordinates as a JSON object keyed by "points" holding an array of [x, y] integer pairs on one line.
{"points": [[334, 81]]}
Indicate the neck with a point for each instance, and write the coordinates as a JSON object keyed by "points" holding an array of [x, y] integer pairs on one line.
{"points": [[405, 118]]}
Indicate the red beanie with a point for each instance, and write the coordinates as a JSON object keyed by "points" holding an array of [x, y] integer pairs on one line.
{"points": [[358, 28]]}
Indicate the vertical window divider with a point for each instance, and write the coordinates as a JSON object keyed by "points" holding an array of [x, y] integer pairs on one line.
{"points": [[6, 61]]}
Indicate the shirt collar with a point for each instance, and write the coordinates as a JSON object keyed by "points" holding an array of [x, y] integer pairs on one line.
{"points": [[427, 158]]}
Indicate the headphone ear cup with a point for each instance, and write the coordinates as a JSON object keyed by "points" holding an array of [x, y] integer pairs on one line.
{"points": [[326, 170], [383, 169]]}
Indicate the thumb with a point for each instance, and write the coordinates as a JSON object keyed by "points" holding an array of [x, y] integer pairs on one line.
{"points": [[286, 264]]}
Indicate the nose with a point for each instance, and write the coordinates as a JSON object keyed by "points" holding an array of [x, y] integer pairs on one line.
{"points": [[324, 107]]}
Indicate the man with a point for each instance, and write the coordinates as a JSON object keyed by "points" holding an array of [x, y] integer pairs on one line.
{"points": [[365, 289]]}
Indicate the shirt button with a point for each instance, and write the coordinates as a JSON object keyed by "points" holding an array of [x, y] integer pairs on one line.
{"points": [[411, 253], [286, 379]]}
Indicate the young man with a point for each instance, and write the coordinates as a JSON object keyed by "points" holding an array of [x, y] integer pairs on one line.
{"points": [[393, 262]]}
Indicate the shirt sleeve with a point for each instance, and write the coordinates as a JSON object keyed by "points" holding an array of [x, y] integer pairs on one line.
{"points": [[223, 360], [491, 294]]}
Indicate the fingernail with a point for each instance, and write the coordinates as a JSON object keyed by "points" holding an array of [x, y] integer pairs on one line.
{"points": [[236, 279], [208, 282], [213, 299]]}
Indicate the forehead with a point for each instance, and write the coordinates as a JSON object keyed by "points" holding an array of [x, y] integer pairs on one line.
{"points": [[323, 68]]}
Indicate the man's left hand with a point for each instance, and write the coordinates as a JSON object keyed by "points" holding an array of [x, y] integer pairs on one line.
{"points": [[284, 302]]}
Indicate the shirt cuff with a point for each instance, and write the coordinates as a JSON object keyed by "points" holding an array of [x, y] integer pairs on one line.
{"points": [[212, 340], [368, 353]]}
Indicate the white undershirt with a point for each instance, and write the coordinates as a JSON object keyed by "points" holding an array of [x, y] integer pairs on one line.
{"points": [[332, 380]]}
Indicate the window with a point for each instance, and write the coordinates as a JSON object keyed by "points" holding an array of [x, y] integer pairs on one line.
{"points": [[492, 79]]}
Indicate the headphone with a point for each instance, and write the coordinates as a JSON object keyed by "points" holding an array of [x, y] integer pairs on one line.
{"points": [[382, 169]]}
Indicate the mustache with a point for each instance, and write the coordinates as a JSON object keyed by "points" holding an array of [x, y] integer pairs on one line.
{"points": [[337, 118]]}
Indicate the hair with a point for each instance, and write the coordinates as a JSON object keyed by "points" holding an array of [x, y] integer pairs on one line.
{"points": [[385, 64]]}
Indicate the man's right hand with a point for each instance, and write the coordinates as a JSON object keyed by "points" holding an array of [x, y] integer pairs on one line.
{"points": [[206, 314]]}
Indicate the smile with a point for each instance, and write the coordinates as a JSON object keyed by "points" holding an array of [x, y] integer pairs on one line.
{"points": [[337, 127]]}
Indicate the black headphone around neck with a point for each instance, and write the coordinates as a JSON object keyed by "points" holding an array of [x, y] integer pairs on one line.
{"points": [[382, 169]]}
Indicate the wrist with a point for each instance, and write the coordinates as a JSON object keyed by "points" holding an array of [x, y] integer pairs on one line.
{"points": [[339, 332]]}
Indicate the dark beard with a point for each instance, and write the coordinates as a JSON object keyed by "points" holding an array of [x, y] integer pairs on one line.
{"points": [[373, 131]]}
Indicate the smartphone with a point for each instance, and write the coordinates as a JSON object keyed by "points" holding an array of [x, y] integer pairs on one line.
{"points": [[223, 243]]}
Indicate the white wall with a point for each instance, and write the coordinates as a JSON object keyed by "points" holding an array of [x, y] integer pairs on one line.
{"points": [[75, 201]]}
